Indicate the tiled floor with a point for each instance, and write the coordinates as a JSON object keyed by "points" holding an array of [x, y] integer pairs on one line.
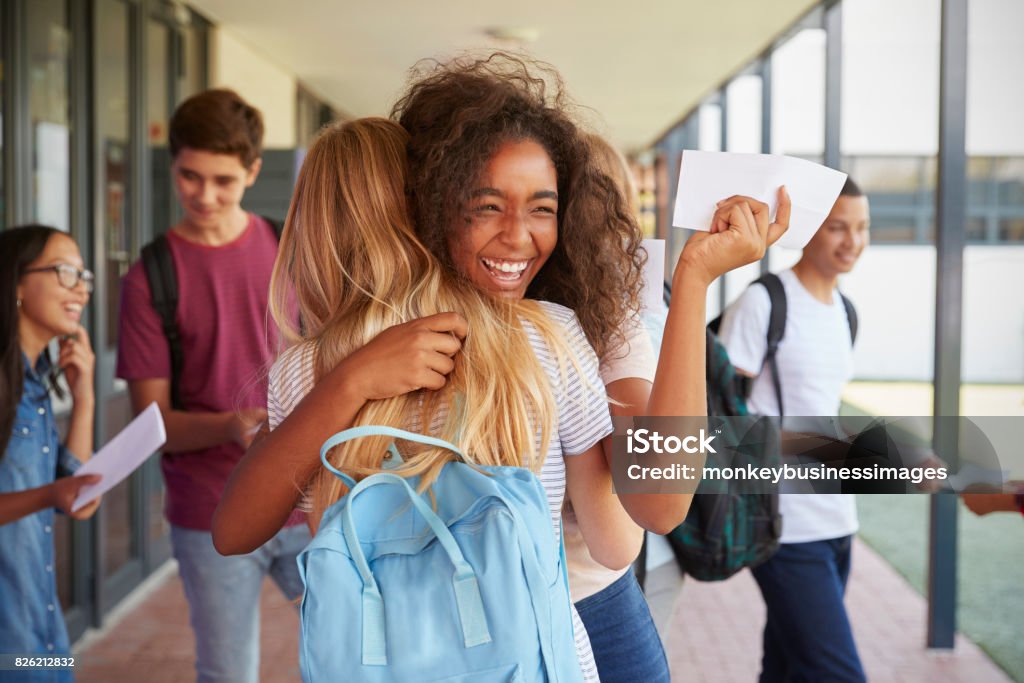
{"points": [[712, 633]]}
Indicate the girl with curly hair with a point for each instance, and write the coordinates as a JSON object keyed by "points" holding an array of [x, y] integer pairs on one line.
{"points": [[391, 337], [507, 191]]}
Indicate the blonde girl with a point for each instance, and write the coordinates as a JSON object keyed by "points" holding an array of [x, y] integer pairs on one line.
{"points": [[390, 337]]}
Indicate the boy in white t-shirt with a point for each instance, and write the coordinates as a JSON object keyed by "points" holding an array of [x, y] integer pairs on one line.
{"points": [[807, 636]]}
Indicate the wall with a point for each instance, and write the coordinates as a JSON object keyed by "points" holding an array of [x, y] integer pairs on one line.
{"points": [[262, 83], [894, 289]]}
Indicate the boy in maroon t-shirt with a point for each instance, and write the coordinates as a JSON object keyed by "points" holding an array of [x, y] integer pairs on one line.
{"points": [[223, 257]]}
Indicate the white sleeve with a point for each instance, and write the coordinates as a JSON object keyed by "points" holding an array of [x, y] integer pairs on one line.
{"points": [[633, 358], [583, 417], [291, 378], [744, 330]]}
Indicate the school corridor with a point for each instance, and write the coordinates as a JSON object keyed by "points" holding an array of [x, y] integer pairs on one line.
{"points": [[712, 632]]}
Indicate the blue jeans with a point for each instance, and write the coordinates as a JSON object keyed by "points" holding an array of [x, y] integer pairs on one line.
{"points": [[807, 636], [224, 598], [626, 644]]}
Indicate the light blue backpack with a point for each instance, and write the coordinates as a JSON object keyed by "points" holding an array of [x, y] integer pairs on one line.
{"points": [[474, 592]]}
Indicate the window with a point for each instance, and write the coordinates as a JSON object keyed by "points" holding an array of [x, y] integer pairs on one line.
{"points": [[48, 41]]}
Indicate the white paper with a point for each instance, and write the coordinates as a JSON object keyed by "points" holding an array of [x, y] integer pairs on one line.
{"points": [[654, 276], [706, 178], [123, 454]]}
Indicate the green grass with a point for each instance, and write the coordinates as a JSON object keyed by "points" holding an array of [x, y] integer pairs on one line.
{"points": [[990, 600], [990, 597]]}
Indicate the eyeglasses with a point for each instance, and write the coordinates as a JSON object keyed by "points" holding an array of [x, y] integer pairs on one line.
{"points": [[67, 275]]}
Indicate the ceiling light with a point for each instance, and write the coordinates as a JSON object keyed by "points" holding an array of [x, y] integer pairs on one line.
{"points": [[514, 34]]}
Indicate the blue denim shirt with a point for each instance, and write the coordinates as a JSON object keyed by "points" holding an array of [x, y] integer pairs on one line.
{"points": [[31, 621]]}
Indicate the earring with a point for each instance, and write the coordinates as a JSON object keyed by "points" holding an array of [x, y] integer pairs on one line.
{"points": [[19, 303]]}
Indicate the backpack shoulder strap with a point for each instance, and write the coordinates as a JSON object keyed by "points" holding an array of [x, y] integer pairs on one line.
{"points": [[163, 291], [776, 327], [851, 317]]}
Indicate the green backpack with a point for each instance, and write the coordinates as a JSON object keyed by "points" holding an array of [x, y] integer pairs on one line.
{"points": [[726, 531]]}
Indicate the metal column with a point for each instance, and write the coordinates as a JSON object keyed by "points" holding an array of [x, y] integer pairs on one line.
{"points": [[832, 22], [950, 212]]}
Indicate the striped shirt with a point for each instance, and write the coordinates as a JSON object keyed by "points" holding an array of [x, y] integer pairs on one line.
{"points": [[583, 418]]}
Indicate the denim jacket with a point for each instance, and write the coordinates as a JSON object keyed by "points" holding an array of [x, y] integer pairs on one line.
{"points": [[31, 621]]}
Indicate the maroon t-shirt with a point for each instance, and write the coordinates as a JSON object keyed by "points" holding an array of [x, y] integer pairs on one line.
{"points": [[228, 342]]}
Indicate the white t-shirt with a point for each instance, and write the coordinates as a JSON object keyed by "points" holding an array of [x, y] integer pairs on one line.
{"points": [[634, 358], [583, 419], [815, 361]]}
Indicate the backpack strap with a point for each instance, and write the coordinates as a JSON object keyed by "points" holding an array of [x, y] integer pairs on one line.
{"points": [[163, 291], [851, 317], [776, 328], [464, 581], [379, 430]]}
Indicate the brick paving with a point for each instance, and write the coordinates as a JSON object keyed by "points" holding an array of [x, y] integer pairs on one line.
{"points": [[712, 633], [153, 641]]}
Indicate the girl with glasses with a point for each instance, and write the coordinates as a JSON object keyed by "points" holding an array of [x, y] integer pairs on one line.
{"points": [[43, 290]]}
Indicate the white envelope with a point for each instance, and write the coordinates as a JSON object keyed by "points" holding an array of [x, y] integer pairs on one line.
{"points": [[123, 454], [705, 178]]}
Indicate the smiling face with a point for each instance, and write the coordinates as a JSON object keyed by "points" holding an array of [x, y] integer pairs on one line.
{"points": [[510, 224], [210, 186], [48, 308], [838, 244]]}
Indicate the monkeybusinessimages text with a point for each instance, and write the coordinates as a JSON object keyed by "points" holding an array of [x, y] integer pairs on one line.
{"points": [[645, 441]]}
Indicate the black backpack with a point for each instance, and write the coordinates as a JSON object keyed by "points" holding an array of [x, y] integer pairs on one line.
{"points": [[163, 293], [726, 531]]}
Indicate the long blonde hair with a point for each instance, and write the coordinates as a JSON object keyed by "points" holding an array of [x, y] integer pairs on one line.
{"points": [[351, 259]]}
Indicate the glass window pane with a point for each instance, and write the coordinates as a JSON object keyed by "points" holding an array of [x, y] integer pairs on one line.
{"points": [[979, 183], [890, 79], [890, 102], [976, 229], [744, 114], [1011, 230], [113, 180], [113, 202], [48, 44], [798, 95], [158, 65], [709, 128], [192, 80], [1008, 174], [993, 346], [994, 102], [889, 138]]}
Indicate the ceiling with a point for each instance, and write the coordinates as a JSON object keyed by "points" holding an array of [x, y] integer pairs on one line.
{"points": [[636, 65]]}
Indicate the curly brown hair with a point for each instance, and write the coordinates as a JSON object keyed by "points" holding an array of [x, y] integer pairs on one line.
{"points": [[458, 114]]}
